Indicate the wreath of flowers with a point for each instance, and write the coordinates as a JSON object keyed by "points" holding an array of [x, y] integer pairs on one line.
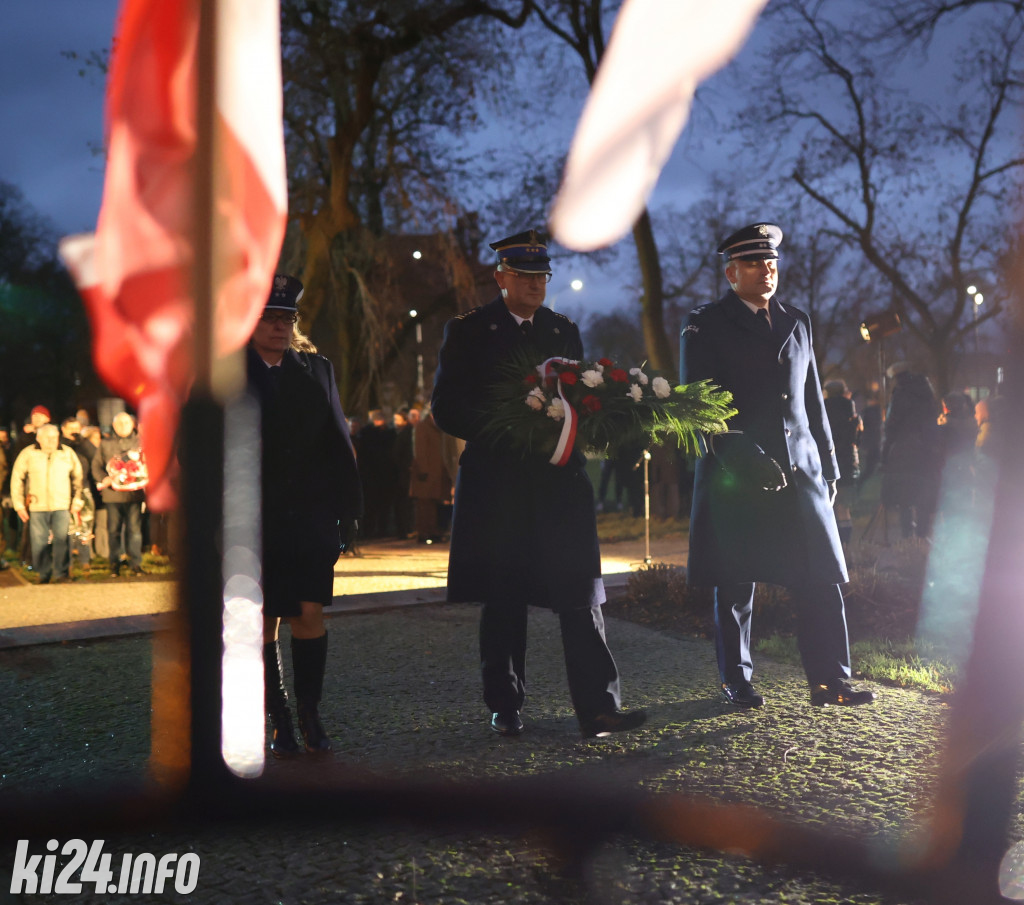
{"points": [[559, 405], [128, 471]]}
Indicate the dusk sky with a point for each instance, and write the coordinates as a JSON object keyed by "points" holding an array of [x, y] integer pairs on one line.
{"points": [[52, 122], [50, 116]]}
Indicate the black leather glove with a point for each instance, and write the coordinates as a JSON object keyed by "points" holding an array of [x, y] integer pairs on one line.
{"points": [[347, 533], [752, 466]]}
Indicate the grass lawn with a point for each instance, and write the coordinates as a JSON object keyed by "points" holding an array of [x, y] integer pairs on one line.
{"points": [[883, 600]]}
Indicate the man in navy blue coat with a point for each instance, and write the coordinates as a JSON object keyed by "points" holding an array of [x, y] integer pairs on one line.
{"points": [[762, 501], [524, 530]]}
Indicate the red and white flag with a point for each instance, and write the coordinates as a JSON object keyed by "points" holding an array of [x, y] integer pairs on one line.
{"points": [[134, 272], [658, 53]]}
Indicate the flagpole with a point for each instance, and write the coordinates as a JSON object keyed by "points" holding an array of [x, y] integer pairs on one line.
{"points": [[203, 424]]}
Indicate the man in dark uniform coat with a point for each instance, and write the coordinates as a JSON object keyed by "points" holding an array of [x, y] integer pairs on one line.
{"points": [[762, 500], [524, 530], [311, 497]]}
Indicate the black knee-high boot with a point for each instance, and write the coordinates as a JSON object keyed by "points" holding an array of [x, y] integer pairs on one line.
{"points": [[309, 661], [282, 737]]}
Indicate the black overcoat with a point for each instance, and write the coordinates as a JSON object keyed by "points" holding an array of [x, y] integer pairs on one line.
{"points": [[739, 533], [309, 478], [523, 530]]}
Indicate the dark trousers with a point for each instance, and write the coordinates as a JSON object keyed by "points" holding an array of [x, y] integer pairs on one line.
{"points": [[589, 665], [128, 515], [821, 631]]}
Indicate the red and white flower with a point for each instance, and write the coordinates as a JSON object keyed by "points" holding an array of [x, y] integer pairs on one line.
{"points": [[556, 410], [562, 406]]}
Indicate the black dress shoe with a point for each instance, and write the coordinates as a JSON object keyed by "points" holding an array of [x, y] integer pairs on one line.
{"points": [[741, 694], [507, 723], [604, 724], [840, 693]]}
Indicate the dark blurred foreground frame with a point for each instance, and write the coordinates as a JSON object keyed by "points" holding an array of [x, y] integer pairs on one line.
{"points": [[189, 786]]}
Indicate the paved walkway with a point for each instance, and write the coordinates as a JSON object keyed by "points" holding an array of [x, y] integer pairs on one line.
{"points": [[402, 701], [386, 575]]}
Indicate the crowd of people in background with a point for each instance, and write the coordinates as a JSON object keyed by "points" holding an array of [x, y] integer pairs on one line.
{"points": [[930, 454], [408, 468], [935, 453], [72, 491]]}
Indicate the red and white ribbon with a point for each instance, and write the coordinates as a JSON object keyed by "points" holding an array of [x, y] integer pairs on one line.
{"points": [[567, 440]]}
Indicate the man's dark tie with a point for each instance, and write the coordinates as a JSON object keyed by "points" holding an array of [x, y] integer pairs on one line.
{"points": [[527, 328], [762, 320]]}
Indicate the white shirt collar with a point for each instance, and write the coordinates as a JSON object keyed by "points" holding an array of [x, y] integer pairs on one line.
{"points": [[755, 309]]}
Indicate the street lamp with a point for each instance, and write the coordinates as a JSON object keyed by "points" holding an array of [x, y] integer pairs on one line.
{"points": [[414, 314], [978, 300], [874, 329], [576, 285]]}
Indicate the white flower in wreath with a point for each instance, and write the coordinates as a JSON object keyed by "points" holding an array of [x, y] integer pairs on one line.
{"points": [[639, 375], [635, 392], [592, 378], [556, 411], [535, 399], [661, 387]]}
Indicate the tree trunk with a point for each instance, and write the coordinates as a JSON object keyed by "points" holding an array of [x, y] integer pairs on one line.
{"points": [[652, 303], [326, 313]]}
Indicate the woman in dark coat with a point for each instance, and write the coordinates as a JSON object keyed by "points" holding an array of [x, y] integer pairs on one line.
{"points": [[311, 495]]}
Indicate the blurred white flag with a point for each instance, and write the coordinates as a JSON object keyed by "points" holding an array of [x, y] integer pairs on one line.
{"points": [[659, 51]]}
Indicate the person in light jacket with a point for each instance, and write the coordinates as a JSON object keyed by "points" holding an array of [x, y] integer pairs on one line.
{"points": [[46, 488]]}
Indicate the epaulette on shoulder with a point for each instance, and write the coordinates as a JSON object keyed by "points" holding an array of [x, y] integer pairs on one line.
{"points": [[561, 316], [695, 318], [466, 314], [306, 359]]}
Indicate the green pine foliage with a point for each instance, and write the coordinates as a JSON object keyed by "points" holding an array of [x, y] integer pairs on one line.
{"points": [[615, 407]]}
